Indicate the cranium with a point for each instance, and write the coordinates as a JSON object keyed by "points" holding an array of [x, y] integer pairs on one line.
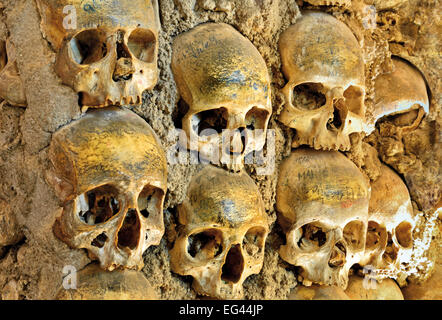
{"points": [[225, 87], [110, 172], [361, 289], [391, 223], [322, 200], [95, 284], [11, 85], [107, 50], [223, 230], [323, 63], [316, 292], [401, 98]]}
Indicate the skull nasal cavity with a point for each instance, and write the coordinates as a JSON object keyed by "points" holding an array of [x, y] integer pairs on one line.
{"points": [[124, 68], [129, 234], [237, 141], [122, 50], [337, 256], [336, 121], [234, 265]]}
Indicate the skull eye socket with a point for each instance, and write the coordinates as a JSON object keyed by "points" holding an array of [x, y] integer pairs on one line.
{"points": [[310, 236], [3, 55], [98, 205], [210, 122], [256, 118], [88, 46], [150, 201], [376, 235], [141, 44], [253, 241], [205, 245], [404, 234], [308, 96], [353, 100], [353, 235]]}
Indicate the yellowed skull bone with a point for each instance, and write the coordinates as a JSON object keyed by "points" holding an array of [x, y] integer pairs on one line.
{"points": [[322, 201], [110, 172], [224, 229], [109, 54], [92, 283], [362, 289], [401, 97], [11, 85], [224, 84], [324, 66], [391, 223], [316, 292]]}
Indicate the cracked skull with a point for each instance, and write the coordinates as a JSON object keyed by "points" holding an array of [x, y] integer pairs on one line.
{"points": [[401, 99], [323, 63], [391, 223], [225, 92], [11, 85], [107, 50], [222, 234], [322, 201], [109, 171]]}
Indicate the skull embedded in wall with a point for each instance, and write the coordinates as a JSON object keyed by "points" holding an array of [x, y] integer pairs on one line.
{"points": [[95, 284], [324, 66], [222, 234], [390, 224], [107, 50], [316, 292], [386, 289], [110, 172], [11, 85], [225, 89], [401, 100], [322, 201]]}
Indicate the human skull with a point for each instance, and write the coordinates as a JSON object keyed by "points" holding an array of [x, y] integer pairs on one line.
{"points": [[108, 54], [95, 284], [361, 289], [322, 201], [401, 98], [11, 85], [222, 234], [390, 224], [316, 292], [110, 172], [225, 89], [323, 63]]}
